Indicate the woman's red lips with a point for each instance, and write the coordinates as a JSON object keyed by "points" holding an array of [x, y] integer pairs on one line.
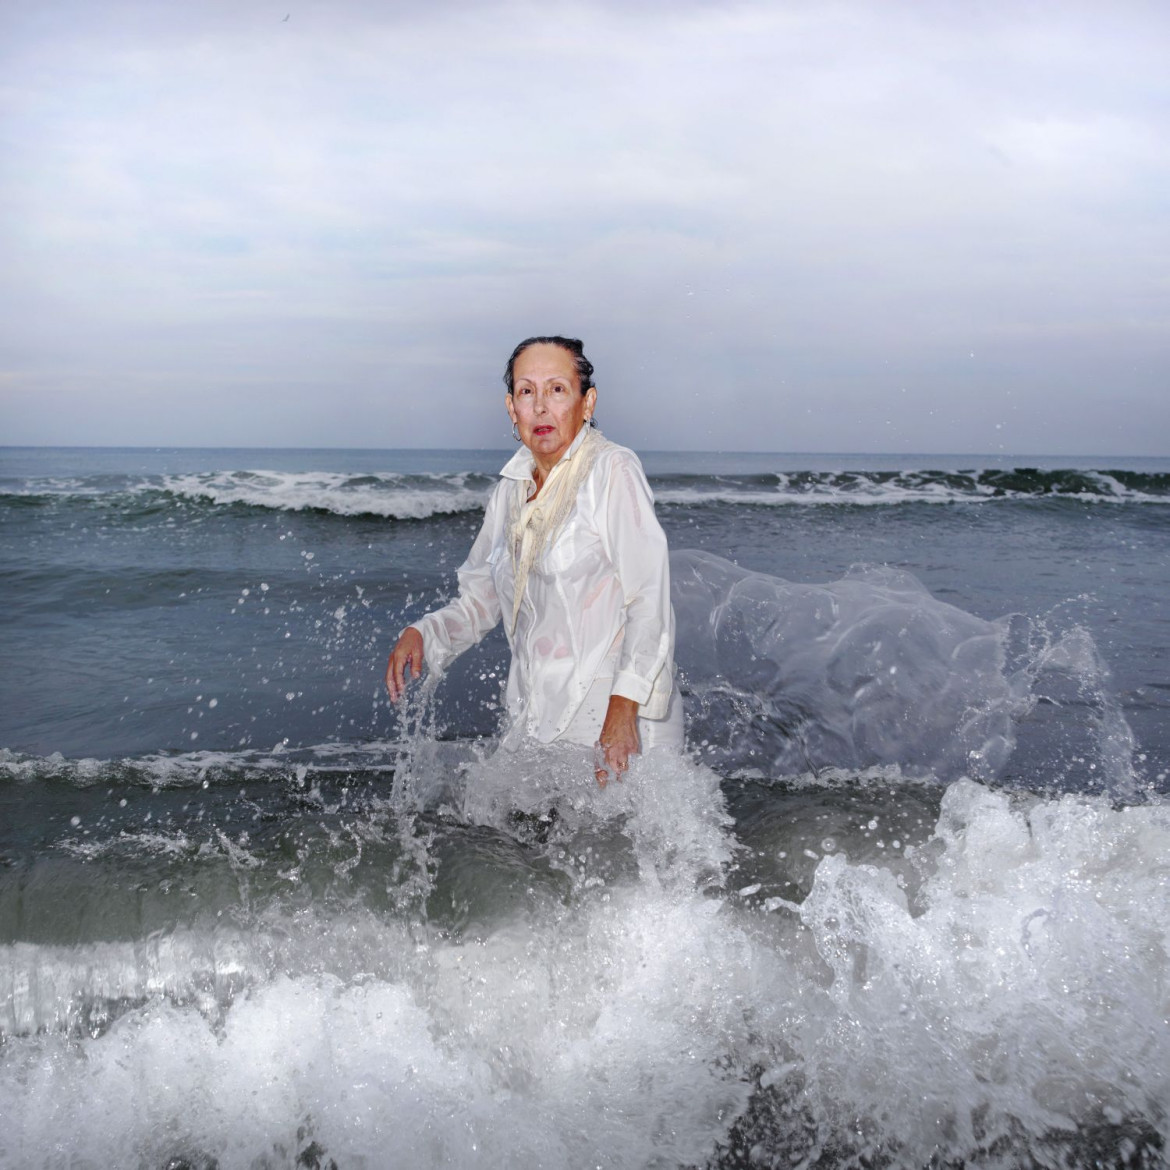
{"points": [[541, 430]]}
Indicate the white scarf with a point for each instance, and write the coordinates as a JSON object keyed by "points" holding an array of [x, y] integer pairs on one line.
{"points": [[534, 526]]}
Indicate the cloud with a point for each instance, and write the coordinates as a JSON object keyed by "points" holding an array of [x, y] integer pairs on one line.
{"points": [[309, 223]]}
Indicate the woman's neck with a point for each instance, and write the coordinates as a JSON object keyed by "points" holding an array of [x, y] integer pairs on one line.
{"points": [[542, 469]]}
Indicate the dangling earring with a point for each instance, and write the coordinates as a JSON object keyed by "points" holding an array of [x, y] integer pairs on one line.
{"points": [[591, 421], [516, 432]]}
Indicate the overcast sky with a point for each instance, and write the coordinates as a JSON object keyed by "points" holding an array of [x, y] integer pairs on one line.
{"points": [[856, 226]]}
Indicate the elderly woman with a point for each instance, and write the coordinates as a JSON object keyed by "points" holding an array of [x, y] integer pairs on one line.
{"points": [[573, 560]]}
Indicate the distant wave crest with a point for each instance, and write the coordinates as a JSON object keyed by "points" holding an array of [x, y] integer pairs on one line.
{"points": [[400, 497], [418, 496], [869, 488]]}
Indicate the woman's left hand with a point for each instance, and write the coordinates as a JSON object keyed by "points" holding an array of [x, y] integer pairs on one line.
{"points": [[619, 737]]}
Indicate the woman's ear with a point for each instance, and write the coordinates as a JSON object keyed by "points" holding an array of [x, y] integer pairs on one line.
{"points": [[590, 401], [510, 407]]}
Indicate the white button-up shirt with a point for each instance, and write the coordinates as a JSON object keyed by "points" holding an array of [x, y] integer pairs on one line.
{"points": [[596, 604]]}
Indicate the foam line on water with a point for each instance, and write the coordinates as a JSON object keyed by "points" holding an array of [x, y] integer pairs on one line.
{"points": [[203, 768]]}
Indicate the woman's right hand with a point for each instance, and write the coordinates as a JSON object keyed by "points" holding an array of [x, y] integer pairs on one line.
{"points": [[406, 655]]}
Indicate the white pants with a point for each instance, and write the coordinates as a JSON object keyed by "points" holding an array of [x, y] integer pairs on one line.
{"points": [[652, 733]]}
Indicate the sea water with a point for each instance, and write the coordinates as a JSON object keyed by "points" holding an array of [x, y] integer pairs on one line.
{"points": [[903, 903]]}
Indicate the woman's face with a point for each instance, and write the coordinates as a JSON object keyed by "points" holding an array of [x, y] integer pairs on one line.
{"points": [[546, 402]]}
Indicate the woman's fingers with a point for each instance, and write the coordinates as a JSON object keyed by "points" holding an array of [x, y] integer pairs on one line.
{"points": [[612, 761], [407, 655], [618, 757], [401, 665], [395, 677]]}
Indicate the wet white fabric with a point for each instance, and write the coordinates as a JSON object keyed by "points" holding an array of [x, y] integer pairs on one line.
{"points": [[595, 605], [585, 726]]}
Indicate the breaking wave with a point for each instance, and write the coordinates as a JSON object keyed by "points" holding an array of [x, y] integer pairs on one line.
{"points": [[500, 965], [401, 497], [875, 488], [420, 496]]}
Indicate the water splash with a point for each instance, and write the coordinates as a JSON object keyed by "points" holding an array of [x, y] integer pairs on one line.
{"points": [[988, 990], [865, 671], [1009, 991], [1094, 749], [872, 670]]}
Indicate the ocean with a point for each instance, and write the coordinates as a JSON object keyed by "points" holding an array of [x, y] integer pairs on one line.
{"points": [[904, 903]]}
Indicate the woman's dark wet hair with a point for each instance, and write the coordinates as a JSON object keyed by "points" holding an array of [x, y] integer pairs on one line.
{"points": [[570, 344]]}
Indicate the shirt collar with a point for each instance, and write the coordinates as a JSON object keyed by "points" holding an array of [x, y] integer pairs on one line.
{"points": [[521, 465]]}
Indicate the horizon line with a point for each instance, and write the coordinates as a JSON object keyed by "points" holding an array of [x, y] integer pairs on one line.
{"points": [[638, 450]]}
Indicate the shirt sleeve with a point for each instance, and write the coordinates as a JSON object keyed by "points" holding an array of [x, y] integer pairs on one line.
{"points": [[474, 612], [636, 545]]}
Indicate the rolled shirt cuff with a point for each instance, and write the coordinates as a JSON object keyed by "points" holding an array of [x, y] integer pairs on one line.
{"points": [[631, 686]]}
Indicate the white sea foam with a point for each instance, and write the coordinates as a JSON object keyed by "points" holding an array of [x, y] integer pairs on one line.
{"points": [[1022, 985], [413, 497], [671, 808], [476, 1055], [874, 489], [1012, 991], [857, 491], [129, 843], [187, 769], [55, 485]]}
